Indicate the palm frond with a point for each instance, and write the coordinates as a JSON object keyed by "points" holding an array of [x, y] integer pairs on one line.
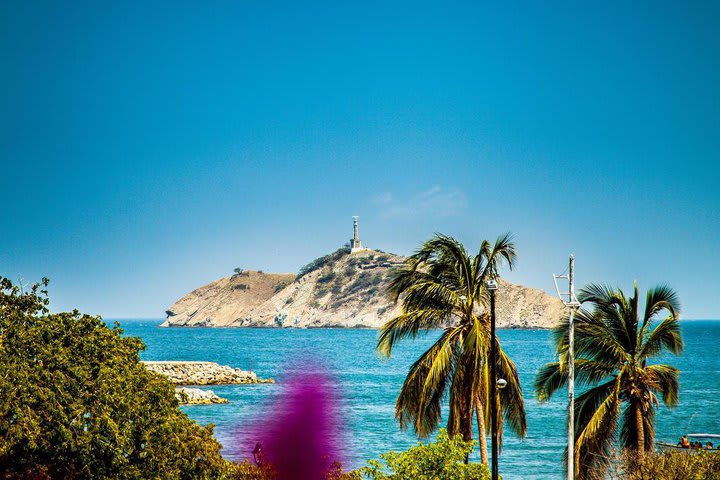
{"points": [[586, 405], [442, 363], [660, 298], [629, 431], [511, 398], [596, 435], [430, 294], [503, 252], [550, 378], [406, 325], [461, 404], [593, 338], [612, 308], [592, 372], [475, 348], [489, 261], [419, 400], [666, 334], [665, 380]]}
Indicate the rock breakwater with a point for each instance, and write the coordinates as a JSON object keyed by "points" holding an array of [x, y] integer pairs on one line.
{"points": [[202, 373]]}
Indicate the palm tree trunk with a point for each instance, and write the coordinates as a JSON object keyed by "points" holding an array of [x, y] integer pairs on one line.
{"points": [[467, 407], [482, 436], [640, 427], [466, 424]]}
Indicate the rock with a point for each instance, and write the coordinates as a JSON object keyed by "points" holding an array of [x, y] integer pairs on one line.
{"points": [[201, 373], [195, 396]]}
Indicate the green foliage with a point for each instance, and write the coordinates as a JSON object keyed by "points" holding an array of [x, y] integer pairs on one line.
{"points": [[327, 260], [250, 471], [327, 278], [441, 460], [364, 281], [683, 465], [76, 402], [613, 346], [280, 285], [238, 271]]}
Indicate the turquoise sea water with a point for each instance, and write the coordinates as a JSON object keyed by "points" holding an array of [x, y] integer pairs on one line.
{"points": [[369, 385]]}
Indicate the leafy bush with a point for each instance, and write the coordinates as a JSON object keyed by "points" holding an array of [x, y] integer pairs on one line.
{"points": [[280, 285], [76, 402], [320, 262], [364, 281], [349, 271], [682, 465], [327, 278], [442, 460], [250, 471]]}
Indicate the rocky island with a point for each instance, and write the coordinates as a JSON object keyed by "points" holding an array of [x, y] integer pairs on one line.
{"points": [[345, 289]]}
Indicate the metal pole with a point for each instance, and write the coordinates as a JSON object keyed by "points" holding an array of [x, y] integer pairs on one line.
{"points": [[493, 388], [571, 374]]}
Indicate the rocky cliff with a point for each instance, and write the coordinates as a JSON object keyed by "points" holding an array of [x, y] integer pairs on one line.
{"points": [[338, 290], [227, 298]]}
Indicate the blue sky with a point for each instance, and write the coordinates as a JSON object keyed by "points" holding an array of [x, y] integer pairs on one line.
{"points": [[149, 148]]}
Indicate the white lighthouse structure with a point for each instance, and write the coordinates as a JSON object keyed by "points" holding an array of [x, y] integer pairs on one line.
{"points": [[356, 244]]}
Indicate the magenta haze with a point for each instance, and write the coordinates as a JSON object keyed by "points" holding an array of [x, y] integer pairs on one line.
{"points": [[300, 428]]}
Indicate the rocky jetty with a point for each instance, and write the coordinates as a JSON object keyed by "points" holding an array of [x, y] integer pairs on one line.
{"points": [[202, 373], [196, 396], [342, 289]]}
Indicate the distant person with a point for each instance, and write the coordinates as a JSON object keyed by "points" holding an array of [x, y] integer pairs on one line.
{"points": [[709, 446], [684, 443]]}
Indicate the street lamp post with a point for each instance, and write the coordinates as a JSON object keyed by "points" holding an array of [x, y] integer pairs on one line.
{"points": [[492, 287]]}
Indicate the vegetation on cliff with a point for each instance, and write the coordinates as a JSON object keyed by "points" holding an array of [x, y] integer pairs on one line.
{"points": [[76, 402], [324, 261]]}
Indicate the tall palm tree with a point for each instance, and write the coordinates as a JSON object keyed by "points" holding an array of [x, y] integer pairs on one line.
{"points": [[613, 344], [442, 286]]}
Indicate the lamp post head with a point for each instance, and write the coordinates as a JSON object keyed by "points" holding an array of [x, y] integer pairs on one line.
{"points": [[491, 285]]}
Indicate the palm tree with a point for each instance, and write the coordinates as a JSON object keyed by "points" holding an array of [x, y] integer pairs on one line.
{"points": [[442, 286], [613, 344]]}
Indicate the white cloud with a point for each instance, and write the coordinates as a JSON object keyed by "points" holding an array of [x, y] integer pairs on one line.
{"points": [[434, 202]]}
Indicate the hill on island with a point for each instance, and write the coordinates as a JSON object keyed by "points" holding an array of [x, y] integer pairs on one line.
{"points": [[342, 289]]}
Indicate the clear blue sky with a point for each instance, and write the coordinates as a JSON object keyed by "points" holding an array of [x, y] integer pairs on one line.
{"points": [[149, 148]]}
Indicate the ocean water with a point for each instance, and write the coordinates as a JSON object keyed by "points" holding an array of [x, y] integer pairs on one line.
{"points": [[369, 385]]}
